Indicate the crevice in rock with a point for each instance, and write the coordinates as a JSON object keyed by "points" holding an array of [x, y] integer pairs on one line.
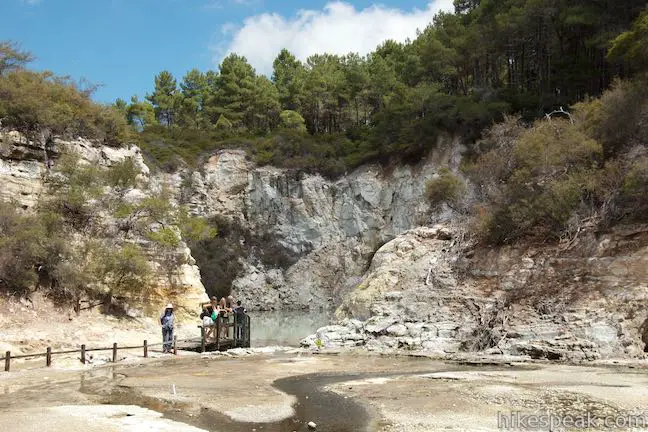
{"points": [[644, 334]]}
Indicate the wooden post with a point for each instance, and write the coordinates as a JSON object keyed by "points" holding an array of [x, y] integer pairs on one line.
{"points": [[175, 345], [145, 348], [7, 361], [202, 339], [218, 327], [48, 357], [115, 352], [83, 354], [247, 329]]}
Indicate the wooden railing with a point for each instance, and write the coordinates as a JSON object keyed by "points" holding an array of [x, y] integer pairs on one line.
{"points": [[240, 333], [240, 338], [82, 351]]}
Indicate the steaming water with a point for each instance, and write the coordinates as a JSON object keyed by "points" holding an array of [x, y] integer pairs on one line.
{"points": [[285, 328]]}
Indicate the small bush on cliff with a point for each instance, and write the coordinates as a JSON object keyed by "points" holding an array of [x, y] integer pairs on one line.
{"points": [[633, 198], [446, 188], [536, 183], [619, 118], [125, 270], [21, 248], [122, 175]]}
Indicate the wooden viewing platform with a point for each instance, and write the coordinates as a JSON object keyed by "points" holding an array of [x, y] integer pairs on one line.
{"points": [[221, 336], [237, 334]]}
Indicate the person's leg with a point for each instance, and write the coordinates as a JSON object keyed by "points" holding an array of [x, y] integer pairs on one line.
{"points": [[167, 340], [164, 337]]}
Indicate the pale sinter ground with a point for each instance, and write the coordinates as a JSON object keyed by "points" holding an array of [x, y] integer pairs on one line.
{"points": [[28, 328], [401, 393]]}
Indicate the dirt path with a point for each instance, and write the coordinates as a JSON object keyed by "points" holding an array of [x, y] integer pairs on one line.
{"points": [[346, 392]]}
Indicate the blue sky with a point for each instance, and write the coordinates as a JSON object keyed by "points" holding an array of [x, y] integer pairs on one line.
{"points": [[122, 44]]}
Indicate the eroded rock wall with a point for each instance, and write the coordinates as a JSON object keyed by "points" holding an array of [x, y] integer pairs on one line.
{"points": [[332, 226], [425, 290], [24, 168]]}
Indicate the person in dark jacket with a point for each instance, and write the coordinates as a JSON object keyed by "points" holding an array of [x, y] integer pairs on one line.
{"points": [[167, 320], [239, 312]]}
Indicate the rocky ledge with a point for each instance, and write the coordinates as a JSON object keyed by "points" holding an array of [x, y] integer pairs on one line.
{"points": [[426, 291]]}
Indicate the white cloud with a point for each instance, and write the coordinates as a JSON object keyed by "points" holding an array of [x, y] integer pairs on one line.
{"points": [[31, 2], [337, 29]]}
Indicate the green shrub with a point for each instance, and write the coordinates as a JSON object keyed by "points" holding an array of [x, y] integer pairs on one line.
{"points": [[223, 123], [446, 188], [42, 104], [619, 118], [633, 199], [125, 270], [165, 237], [292, 120], [122, 175], [21, 249], [533, 184]]}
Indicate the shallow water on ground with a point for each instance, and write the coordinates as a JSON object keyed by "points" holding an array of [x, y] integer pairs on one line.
{"points": [[346, 392], [331, 411], [285, 328]]}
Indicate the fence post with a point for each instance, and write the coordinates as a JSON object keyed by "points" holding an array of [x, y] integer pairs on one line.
{"points": [[114, 352], [218, 328], [248, 327], [48, 357], [202, 339], [145, 348], [175, 345], [83, 353], [7, 361]]}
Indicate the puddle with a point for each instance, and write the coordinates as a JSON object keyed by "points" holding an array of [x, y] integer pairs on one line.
{"points": [[332, 412]]}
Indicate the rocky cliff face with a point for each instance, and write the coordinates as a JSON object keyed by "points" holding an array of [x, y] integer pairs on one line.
{"points": [[358, 248], [24, 167], [425, 290], [332, 227]]}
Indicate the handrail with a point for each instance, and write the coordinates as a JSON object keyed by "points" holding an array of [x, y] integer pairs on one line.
{"points": [[240, 332], [239, 339], [82, 350]]}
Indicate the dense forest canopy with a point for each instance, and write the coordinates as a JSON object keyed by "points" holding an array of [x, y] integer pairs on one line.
{"points": [[462, 72], [331, 113], [490, 71]]}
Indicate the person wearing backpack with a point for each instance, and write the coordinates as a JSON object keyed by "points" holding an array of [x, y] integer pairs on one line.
{"points": [[167, 320]]}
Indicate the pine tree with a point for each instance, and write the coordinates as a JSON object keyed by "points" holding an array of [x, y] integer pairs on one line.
{"points": [[235, 91], [288, 76], [165, 98]]}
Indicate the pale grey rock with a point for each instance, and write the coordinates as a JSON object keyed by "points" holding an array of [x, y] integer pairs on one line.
{"points": [[25, 167], [379, 325], [492, 311], [332, 226], [397, 330]]}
